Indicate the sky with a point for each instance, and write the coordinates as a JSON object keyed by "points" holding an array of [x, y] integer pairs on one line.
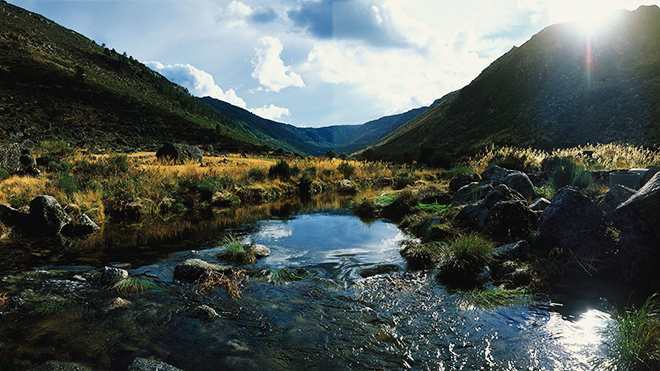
{"points": [[314, 63]]}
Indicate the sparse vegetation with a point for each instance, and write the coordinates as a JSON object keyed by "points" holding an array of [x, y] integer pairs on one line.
{"points": [[463, 258], [236, 252], [133, 285], [277, 276]]}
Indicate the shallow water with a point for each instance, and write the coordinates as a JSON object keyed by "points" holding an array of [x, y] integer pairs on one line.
{"points": [[333, 319]]}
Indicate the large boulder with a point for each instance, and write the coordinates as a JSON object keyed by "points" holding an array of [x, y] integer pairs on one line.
{"points": [[615, 197], [179, 154], [10, 158], [521, 183], [511, 221], [47, 216], [638, 218], [573, 221], [472, 216], [462, 180], [501, 193], [81, 227], [495, 174], [471, 193]]}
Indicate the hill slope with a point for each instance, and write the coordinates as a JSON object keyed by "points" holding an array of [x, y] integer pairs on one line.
{"points": [[55, 83], [561, 88]]}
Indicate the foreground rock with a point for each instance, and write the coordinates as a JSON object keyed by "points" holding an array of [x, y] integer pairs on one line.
{"points": [[16, 159], [143, 364], [192, 269], [61, 366], [638, 218], [179, 153], [47, 216]]}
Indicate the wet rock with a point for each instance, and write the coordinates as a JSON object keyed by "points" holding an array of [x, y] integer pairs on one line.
{"points": [[259, 251], [472, 216], [118, 303], [501, 193], [638, 218], [192, 269], [511, 221], [83, 226], [47, 216], [110, 275], [572, 221], [61, 366], [471, 193], [425, 231], [463, 180], [381, 269], [521, 183], [204, 313], [495, 174], [179, 154], [615, 197], [143, 364], [513, 250], [540, 204]]}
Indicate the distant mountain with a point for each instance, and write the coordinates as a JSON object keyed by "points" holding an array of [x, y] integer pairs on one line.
{"points": [[561, 88], [57, 84], [312, 141]]}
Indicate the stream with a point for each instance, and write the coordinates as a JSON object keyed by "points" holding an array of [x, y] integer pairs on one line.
{"points": [[356, 308]]}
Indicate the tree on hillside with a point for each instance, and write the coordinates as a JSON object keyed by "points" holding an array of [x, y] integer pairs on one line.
{"points": [[330, 154]]}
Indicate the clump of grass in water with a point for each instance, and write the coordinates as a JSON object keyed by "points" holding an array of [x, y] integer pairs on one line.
{"points": [[48, 308], [463, 258], [276, 276], [635, 341], [229, 279], [492, 298], [236, 252], [133, 285]]}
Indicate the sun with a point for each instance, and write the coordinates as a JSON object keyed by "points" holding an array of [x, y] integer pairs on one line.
{"points": [[589, 16]]}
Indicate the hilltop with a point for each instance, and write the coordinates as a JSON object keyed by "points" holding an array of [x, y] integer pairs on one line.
{"points": [[57, 84], [562, 88]]}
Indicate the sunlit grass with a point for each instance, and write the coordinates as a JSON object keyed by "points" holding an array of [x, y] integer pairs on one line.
{"points": [[229, 279], [492, 298], [236, 252], [133, 285]]}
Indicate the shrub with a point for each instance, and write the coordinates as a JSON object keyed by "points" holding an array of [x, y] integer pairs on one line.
{"points": [[67, 183], [330, 154], [401, 182], [118, 163], [346, 169], [4, 174], [571, 174], [256, 174], [520, 161], [463, 258], [282, 170]]}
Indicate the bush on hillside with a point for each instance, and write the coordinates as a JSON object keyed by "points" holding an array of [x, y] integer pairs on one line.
{"points": [[568, 173]]}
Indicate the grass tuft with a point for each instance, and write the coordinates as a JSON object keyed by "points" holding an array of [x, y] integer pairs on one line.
{"points": [[463, 258], [133, 285], [236, 252], [276, 276], [492, 298]]}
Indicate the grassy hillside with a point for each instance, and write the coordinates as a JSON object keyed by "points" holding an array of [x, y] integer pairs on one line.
{"points": [[562, 88], [55, 83]]}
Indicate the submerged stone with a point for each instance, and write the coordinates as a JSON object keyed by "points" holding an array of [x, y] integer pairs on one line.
{"points": [[143, 364]]}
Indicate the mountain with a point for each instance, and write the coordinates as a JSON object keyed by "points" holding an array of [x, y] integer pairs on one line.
{"points": [[561, 88], [57, 84], [312, 141]]}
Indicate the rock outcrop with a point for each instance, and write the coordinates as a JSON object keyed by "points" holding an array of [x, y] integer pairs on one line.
{"points": [[638, 218], [179, 154]]}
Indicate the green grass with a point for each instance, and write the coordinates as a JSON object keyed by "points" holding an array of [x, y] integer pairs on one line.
{"points": [[463, 258], [431, 208], [276, 276], [235, 251], [49, 308], [635, 341], [492, 298], [133, 285]]}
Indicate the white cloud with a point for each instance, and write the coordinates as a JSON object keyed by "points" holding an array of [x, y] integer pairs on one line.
{"points": [[236, 14], [269, 68], [271, 112], [199, 83]]}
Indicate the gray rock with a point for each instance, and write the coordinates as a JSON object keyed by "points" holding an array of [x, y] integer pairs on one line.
{"points": [[192, 269], [143, 364], [462, 180], [512, 250], [521, 183], [471, 193], [47, 216], [179, 153], [223, 199], [346, 186], [540, 204], [472, 216], [260, 251], [572, 221], [81, 227], [425, 231], [511, 221], [615, 197], [495, 174], [501, 193], [10, 158], [204, 313], [638, 218], [110, 275]]}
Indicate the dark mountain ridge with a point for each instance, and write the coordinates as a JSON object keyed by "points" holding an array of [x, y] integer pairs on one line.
{"points": [[561, 88]]}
